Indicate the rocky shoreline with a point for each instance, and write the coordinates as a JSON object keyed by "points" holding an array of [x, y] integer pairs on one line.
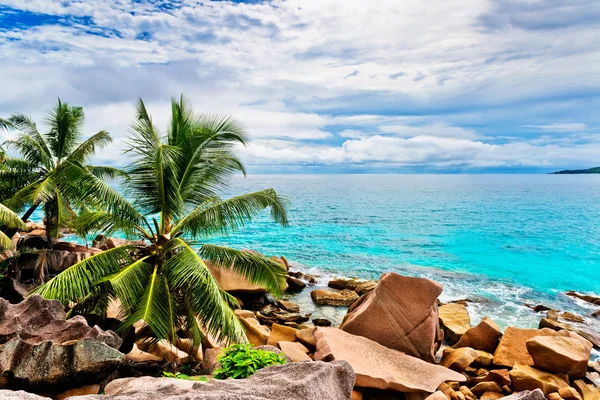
{"points": [[397, 340]]}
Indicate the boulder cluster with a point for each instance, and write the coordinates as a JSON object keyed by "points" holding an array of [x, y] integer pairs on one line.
{"points": [[396, 341]]}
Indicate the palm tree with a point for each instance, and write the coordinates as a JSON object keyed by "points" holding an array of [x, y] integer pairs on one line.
{"points": [[31, 181], [175, 181], [8, 219]]}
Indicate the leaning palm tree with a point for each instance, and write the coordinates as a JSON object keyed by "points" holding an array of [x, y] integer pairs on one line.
{"points": [[28, 182], [175, 182], [8, 220]]}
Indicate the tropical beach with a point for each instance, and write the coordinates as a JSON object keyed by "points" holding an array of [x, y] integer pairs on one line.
{"points": [[299, 200]]}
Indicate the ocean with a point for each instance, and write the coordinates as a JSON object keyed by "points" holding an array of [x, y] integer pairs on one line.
{"points": [[501, 240]]}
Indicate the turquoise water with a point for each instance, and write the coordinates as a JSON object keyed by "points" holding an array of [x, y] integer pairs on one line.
{"points": [[502, 240]]}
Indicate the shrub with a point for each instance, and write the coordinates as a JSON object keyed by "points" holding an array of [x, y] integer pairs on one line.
{"points": [[241, 360]]}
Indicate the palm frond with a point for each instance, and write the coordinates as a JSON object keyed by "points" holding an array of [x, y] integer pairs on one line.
{"points": [[95, 222], [65, 124], [89, 147], [187, 272], [129, 283], [5, 124], [10, 219], [155, 308], [256, 268], [25, 124], [77, 282], [104, 172], [224, 216], [31, 150]]}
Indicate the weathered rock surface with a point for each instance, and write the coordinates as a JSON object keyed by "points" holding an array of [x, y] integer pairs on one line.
{"points": [[257, 333], [500, 376], [379, 367], [581, 330], [568, 355], [39, 348], [536, 394], [281, 333], [365, 287], [295, 381], [587, 391], [400, 313], [343, 283], [49, 365], [590, 299], [455, 320], [19, 395], [524, 377], [306, 337], [458, 359], [513, 349], [234, 283], [295, 351], [485, 336], [335, 298]]}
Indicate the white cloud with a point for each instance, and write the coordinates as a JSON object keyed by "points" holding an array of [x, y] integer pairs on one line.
{"points": [[560, 127]]}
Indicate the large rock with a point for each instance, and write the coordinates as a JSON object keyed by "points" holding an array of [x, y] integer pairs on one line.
{"points": [[39, 348], [295, 351], [400, 313], [586, 391], [20, 395], [36, 320], [568, 355], [281, 333], [458, 359], [484, 336], [582, 330], [536, 394], [295, 381], [513, 349], [335, 298], [48, 366], [379, 367], [524, 377], [455, 320]]}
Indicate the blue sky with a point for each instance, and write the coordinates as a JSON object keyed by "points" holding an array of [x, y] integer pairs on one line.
{"points": [[327, 85]]}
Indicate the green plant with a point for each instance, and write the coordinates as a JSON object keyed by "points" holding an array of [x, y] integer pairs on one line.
{"points": [[179, 375], [242, 360], [175, 181], [8, 219]]}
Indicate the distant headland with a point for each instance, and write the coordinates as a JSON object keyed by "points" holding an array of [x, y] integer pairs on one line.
{"points": [[595, 170]]}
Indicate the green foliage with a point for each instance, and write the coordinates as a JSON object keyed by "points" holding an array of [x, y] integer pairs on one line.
{"points": [[10, 220], [175, 180], [242, 360], [50, 171], [179, 375]]}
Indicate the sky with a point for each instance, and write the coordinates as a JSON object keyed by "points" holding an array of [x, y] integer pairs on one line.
{"points": [[322, 86]]}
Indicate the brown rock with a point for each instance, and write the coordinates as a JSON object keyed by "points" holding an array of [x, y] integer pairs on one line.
{"points": [[379, 367], [356, 395], [455, 320], [596, 314], [294, 350], [165, 350], [342, 283], [341, 298], [500, 376], [581, 330], [457, 396], [306, 337], [289, 306], [209, 361], [483, 387], [294, 284], [437, 395], [138, 355], [80, 391], [458, 359], [491, 396], [566, 355], [484, 336], [281, 333], [400, 313], [257, 334], [365, 287], [590, 299], [572, 317], [586, 391], [568, 393], [554, 396], [524, 377], [467, 392], [513, 349], [244, 314], [187, 346], [484, 358]]}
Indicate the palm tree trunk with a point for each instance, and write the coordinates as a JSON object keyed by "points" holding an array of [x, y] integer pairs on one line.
{"points": [[31, 210]]}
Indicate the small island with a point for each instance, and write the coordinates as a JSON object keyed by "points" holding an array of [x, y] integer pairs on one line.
{"points": [[595, 170]]}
